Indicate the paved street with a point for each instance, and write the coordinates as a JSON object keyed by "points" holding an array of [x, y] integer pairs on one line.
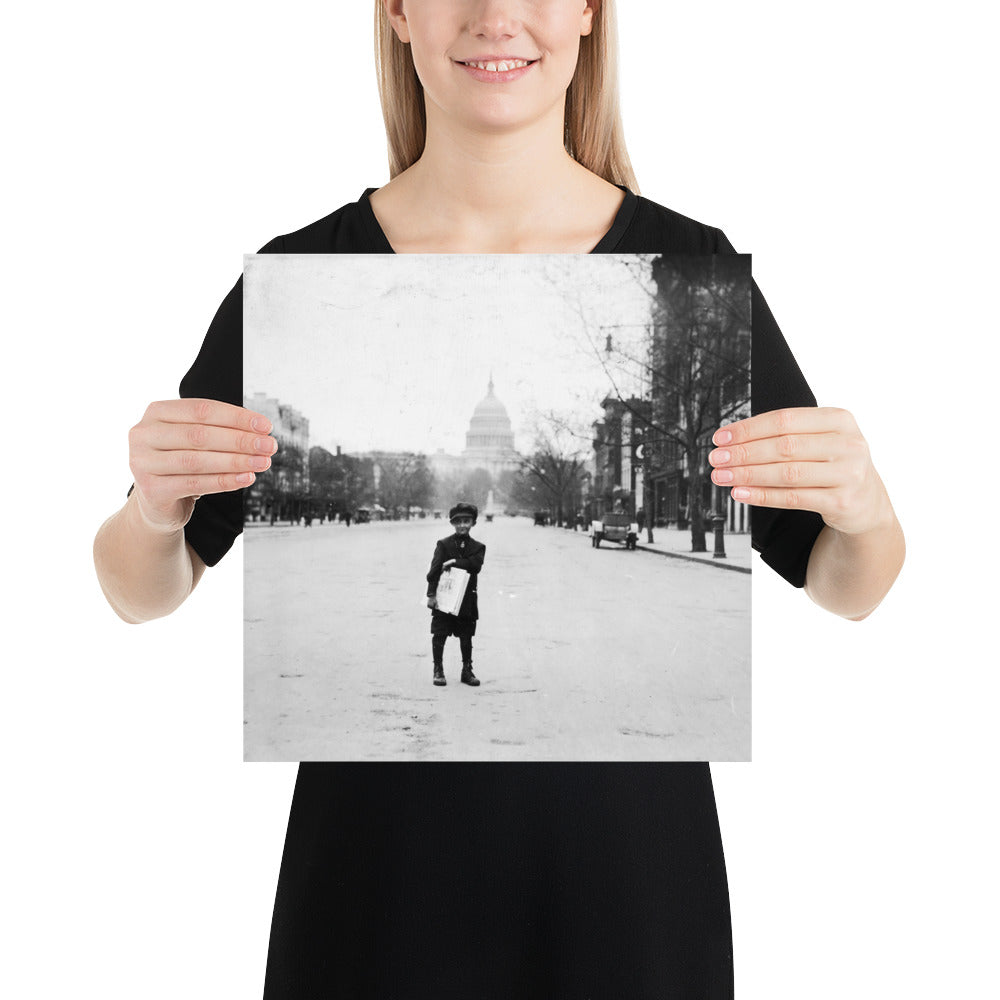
{"points": [[583, 654]]}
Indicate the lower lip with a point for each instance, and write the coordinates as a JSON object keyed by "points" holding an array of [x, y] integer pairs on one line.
{"points": [[485, 76]]}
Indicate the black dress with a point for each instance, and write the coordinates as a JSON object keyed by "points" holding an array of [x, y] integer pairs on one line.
{"points": [[503, 881]]}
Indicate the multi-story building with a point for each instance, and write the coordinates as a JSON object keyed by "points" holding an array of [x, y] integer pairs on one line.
{"points": [[618, 464], [285, 485], [290, 426], [489, 443], [700, 366]]}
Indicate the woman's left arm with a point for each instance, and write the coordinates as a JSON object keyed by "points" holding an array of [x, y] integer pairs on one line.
{"points": [[815, 458]]}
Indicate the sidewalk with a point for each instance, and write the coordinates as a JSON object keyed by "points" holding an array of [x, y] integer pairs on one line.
{"points": [[671, 542]]}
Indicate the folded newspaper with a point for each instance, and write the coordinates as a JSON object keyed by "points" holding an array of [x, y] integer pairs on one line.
{"points": [[451, 590]]}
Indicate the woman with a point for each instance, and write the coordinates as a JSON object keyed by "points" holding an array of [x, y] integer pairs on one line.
{"points": [[546, 880]]}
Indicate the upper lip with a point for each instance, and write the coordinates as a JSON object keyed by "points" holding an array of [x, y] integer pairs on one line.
{"points": [[495, 58]]}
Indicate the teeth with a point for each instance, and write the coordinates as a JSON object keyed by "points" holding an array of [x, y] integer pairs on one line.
{"points": [[499, 67]]}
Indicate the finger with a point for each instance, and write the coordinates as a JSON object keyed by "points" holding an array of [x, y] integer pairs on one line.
{"points": [[204, 437], [775, 423], [786, 475], [161, 490], [208, 411], [786, 448], [199, 463], [822, 501]]}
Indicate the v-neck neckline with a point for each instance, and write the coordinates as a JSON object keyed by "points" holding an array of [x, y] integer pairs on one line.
{"points": [[606, 244]]}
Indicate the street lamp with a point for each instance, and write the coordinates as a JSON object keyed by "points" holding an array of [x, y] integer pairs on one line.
{"points": [[718, 520]]}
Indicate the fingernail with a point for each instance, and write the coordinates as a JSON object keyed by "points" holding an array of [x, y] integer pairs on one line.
{"points": [[722, 476], [262, 444], [722, 437], [720, 457], [261, 424], [741, 493], [245, 478], [260, 463]]}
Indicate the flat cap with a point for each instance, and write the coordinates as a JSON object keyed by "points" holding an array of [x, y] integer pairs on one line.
{"points": [[464, 510]]}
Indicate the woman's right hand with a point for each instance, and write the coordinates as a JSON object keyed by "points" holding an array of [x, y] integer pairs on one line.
{"points": [[183, 449]]}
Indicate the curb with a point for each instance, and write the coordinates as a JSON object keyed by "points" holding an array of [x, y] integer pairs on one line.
{"points": [[717, 563]]}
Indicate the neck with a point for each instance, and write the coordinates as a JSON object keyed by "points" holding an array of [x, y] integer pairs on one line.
{"points": [[479, 191], [482, 174]]}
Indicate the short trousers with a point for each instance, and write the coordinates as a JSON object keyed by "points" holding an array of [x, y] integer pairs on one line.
{"points": [[442, 624]]}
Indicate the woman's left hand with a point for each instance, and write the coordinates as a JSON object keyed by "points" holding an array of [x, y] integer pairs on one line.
{"points": [[806, 458]]}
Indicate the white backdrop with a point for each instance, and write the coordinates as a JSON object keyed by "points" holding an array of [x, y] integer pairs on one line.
{"points": [[844, 146]]}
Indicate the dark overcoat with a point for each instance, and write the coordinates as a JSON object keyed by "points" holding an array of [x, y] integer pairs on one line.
{"points": [[468, 554]]}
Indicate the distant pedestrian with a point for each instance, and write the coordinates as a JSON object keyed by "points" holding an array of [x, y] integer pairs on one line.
{"points": [[347, 518], [458, 551]]}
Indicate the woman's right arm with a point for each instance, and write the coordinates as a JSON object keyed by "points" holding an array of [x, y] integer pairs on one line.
{"points": [[181, 450]]}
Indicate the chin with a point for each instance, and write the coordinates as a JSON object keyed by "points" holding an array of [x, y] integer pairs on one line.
{"points": [[502, 113]]}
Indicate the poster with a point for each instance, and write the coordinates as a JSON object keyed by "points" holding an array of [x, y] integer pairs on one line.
{"points": [[571, 400]]}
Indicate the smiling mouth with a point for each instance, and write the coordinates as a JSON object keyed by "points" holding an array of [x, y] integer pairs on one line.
{"points": [[498, 66]]}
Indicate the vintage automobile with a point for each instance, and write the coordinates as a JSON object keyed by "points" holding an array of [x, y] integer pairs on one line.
{"points": [[614, 528]]}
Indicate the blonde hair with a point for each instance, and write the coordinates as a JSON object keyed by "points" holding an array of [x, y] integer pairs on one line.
{"points": [[593, 133]]}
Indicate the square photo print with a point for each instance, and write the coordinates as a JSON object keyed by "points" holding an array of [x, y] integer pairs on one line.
{"points": [[489, 531]]}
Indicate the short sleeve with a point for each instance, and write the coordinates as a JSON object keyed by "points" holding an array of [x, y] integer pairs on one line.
{"points": [[784, 538], [217, 373]]}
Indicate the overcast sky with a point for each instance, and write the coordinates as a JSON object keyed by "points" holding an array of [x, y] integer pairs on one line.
{"points": [[394, 352]]}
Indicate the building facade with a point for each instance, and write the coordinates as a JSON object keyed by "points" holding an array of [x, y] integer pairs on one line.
{"points": [[489, 441], [283, 490], [618, 481]]}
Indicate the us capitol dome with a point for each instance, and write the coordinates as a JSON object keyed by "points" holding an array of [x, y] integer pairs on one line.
{"points": [[489, 441]]}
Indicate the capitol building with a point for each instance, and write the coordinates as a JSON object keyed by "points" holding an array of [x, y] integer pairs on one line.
{"points": [[489, 442]]}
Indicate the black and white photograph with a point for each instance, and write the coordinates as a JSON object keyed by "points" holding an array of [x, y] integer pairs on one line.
{"points": [[489, 530]]}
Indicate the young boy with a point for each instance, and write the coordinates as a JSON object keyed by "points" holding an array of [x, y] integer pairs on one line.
{"points": [[461, 551]]}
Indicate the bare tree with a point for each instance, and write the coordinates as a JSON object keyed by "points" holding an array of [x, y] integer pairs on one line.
{"points": [[556, 468], [699, 361], [682, 373], [339, 483], [405, 481]]}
